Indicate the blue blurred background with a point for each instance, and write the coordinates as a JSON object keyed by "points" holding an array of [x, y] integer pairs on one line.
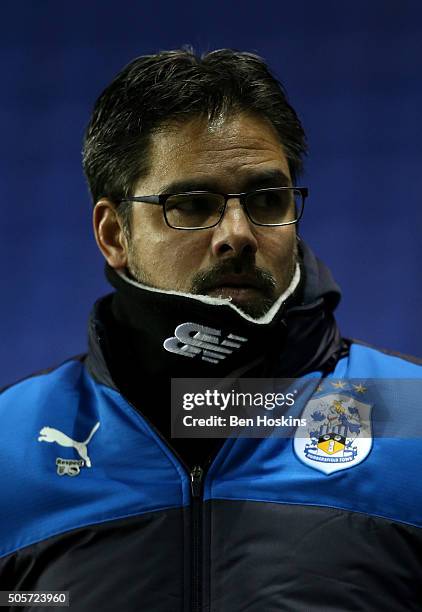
{"points": [[353, 71]]}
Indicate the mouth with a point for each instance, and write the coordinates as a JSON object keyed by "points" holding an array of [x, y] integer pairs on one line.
{"points": [[238, 295], [239, 288]]}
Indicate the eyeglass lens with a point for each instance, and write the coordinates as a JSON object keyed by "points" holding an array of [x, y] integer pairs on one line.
{"points": [[204, 209]]}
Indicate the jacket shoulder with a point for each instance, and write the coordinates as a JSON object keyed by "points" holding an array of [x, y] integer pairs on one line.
{"points": [[42, 378], [382, 362]]}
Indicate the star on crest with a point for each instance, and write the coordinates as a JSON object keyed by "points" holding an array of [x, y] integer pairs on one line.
{"points": [[359, 388], [339, 384]]}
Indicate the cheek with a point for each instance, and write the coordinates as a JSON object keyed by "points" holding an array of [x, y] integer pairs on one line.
{"points": [[276, 245], [192, 251], [165, 253]]}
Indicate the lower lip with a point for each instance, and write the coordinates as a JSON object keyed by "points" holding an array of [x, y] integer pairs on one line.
{"points": [[238, 294]]}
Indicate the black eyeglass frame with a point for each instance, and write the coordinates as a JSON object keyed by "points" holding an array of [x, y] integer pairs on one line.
{"points": [[162, 198]]}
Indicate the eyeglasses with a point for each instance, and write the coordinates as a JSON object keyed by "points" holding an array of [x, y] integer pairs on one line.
{"points": [[195, 210]]}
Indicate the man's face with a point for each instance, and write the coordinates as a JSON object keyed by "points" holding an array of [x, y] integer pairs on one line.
{"points": [[251, 264]]}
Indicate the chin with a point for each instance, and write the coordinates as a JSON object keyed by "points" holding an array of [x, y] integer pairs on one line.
{"points": [[256, 310]]}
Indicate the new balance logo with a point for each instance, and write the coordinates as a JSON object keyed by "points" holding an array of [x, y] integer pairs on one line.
{"points": [[49, 434], [191, 340]]}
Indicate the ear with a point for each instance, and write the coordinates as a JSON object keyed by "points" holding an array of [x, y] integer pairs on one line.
{"points": [[109, 234]]}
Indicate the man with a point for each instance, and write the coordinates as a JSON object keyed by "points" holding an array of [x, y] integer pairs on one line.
{"points": [[193, 166]]}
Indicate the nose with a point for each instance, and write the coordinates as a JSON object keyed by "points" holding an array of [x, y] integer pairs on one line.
{"points": [[234, 235]]}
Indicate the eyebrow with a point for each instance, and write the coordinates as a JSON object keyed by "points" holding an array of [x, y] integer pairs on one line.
{"points": [[256, 180]]}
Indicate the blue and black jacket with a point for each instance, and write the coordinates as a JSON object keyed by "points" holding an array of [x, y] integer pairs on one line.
{"points": [[96, 502]]}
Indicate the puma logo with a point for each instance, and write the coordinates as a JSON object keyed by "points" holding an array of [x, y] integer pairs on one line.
{"points": [[49, 434]]}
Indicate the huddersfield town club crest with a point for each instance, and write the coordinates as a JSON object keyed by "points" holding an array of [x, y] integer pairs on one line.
{"points": [[337, 434]]}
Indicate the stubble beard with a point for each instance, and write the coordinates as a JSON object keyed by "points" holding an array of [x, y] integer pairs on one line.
{"points": [[202, 282]]}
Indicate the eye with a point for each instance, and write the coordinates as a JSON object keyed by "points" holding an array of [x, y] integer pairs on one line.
{"points": [[271, 206], [269, 199], [194, 210], [194, 203]]}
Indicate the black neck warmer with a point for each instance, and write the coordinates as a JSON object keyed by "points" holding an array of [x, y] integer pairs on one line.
{"points": [[177, 335], [151, 336]]}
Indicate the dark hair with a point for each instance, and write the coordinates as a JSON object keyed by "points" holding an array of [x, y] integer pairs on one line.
{"points": [[177, 85]]}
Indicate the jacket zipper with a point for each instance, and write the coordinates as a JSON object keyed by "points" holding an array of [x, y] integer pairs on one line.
{"points": [[196, 476], [196, 479]]}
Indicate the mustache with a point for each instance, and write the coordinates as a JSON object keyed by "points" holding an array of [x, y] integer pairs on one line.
{"points": [[210, 279]]}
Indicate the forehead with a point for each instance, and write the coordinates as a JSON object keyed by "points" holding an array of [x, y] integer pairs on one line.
{"points": [[226, 151]]}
